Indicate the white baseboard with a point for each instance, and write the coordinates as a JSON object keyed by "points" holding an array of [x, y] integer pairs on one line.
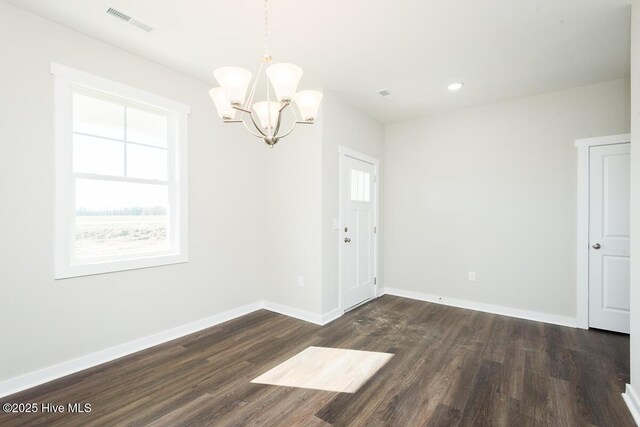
{"points": [[487, 308], [307, 316], [332, 315], [633, 402], [32, 379]]}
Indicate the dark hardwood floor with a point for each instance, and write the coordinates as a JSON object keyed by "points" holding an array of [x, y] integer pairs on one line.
{"points": [[452, 367]]}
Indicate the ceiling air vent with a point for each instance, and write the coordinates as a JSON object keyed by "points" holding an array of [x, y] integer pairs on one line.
{"points": [[140, 25], [128, 19], [384, 92], [120, 15]]}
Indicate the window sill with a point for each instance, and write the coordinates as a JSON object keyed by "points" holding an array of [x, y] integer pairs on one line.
{"points": [[80, 270]]}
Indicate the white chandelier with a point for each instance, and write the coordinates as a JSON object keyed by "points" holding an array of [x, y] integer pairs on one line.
{"points": [[230, 98]]}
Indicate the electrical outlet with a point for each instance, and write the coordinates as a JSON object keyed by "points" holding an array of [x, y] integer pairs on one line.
{"points": [[301, 281], [471, 276]]}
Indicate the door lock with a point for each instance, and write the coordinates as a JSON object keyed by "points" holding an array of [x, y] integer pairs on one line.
{"points": [[347, 240]]}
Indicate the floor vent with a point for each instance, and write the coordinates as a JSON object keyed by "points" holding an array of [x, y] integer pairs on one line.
{"points": [[128, 19]]}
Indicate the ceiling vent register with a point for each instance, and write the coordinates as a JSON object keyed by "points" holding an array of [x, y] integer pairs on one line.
{"points": [[128, 19]]}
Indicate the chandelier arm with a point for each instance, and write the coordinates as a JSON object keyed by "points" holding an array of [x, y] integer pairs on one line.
{"points": [[252, 132], [244, 110], [254, 87], [270, 131], [264, 135], [293, 126], [277, 129]]}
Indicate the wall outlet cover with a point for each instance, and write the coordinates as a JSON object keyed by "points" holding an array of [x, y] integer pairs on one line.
{"points": [[472, 276]]}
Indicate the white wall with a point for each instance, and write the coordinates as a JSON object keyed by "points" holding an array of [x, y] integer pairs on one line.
{"points": [[45, 321], [302, 191], [343, 126], [293, 209], [256, 219], [493, 190], [635, 200]]}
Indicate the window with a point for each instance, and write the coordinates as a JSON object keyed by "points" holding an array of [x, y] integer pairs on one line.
{"points": [[120, 177], [360, 186]]}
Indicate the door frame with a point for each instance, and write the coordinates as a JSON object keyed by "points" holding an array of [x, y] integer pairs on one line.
{"points": [[582, 273], [344, 152]]}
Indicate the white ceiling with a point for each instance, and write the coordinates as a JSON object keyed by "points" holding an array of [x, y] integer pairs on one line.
{"points": [[501, 49]]}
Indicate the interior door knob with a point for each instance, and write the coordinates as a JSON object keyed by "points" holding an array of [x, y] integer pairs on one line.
{"points": [[347, 240], [596, 246]]}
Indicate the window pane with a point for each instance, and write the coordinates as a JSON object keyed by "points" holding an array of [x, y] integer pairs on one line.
{"points": [[146, 162], [146, 128], [354, 184], [97, 155], [367, 192], [97, 117], [119, 218]]}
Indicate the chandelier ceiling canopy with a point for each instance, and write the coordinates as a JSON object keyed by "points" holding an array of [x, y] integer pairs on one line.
{"points": [[231, 99]]}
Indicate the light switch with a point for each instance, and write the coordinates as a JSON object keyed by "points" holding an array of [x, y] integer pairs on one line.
{"points": [[336, 224]]}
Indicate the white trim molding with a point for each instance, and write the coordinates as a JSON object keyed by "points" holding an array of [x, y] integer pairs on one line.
{"points": [[307, 316], [296, 313], [623, 138], [68, 81], [32, 379], [486, 308], [332, 315], [633, 403], [90, 80], [582, 247]]}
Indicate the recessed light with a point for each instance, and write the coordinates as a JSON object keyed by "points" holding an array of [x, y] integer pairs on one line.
{"points": [[454, 87]]}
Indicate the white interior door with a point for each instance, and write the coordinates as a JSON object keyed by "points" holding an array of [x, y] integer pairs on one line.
{"points": [[357, 231], [609, 217]]}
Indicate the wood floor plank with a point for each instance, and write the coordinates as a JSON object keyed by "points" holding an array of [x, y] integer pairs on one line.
{"points": [[451, 367]]}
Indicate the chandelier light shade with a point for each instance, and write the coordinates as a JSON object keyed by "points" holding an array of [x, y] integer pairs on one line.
{"points": [[268, 119], [281, 84], [234, 81], [308, 102], [284, 78], [223, 105]]}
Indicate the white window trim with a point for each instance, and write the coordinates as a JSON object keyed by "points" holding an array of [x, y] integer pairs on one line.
{"points": [[64, 79]]}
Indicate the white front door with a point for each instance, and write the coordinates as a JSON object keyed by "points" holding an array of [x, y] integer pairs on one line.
{"points": [[357, 231], [609, 217]]}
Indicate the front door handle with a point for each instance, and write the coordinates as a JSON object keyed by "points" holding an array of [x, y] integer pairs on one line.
{"points": [[347, 240], [596, 246]]}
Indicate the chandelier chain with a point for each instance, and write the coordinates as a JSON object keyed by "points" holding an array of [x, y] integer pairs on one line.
{"points": [[266, 26]]}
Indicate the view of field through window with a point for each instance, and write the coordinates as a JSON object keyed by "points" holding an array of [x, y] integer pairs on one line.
{"points": [[119, 218], [121, 193]]}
